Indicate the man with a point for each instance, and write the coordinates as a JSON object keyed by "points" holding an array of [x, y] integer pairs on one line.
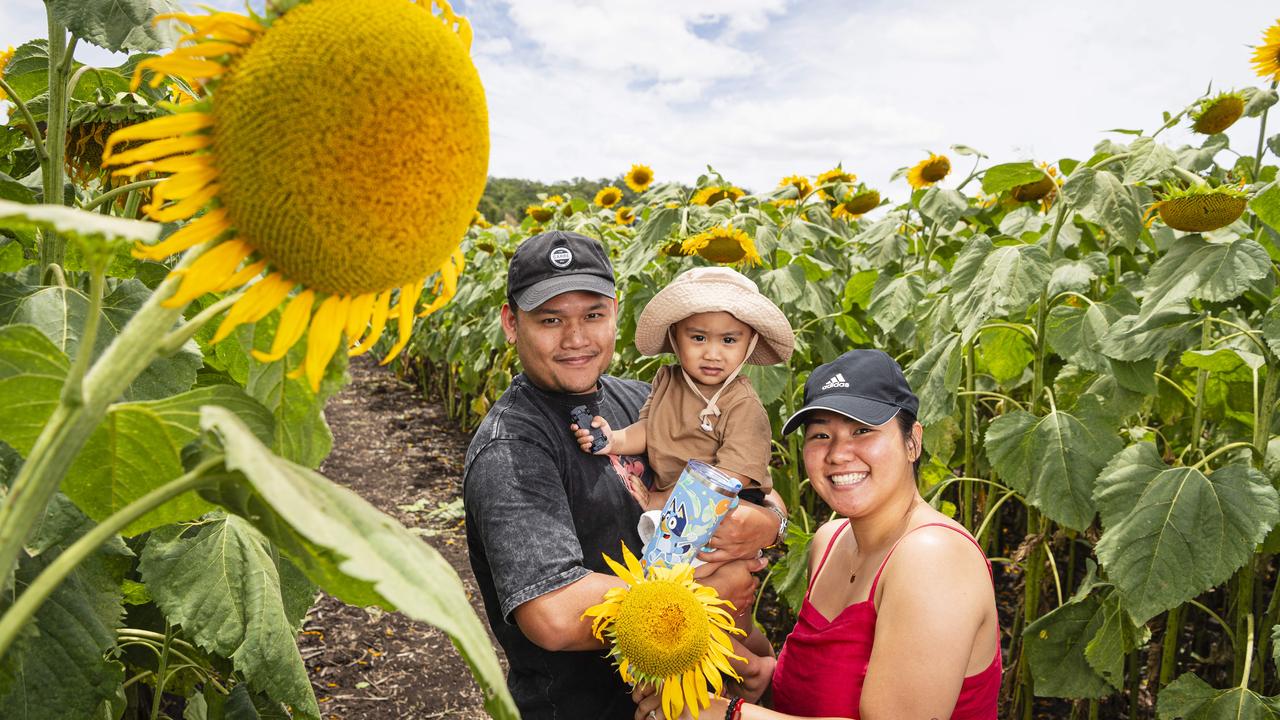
{"points": [[540, 512]]}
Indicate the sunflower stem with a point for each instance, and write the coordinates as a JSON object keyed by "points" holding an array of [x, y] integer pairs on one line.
{"points": [[17, 616], [41, 153], [178, 337], [69, 427], [73, 389], [1262, 132], [117, 192], [52, 246]]}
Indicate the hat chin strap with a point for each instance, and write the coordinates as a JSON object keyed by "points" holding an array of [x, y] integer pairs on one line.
{"points": [[712, 409]]}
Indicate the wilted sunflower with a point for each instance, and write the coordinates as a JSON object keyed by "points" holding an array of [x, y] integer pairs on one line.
{"points": [[1266, 57], [929, 171], [608, 196], [540, 213], [803, 189], [666, 629], [723, 245], [639, 177], [478, 220], [5, 57], [88, 129], [625, 215], [713, 194], [1037, 190], [352, 208], [856, 204], [1217, 114], [1200, 208], [829, 178]]}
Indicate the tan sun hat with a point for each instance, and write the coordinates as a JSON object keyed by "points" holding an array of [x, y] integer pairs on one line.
{"points": [[715, 289]]}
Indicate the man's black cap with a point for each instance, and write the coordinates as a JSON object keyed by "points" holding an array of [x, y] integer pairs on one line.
{"points": [[558, 262], [864, 385]]}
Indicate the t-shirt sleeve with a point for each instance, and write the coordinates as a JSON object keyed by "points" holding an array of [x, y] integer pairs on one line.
{"points": [[748, 441], [514, 495]]}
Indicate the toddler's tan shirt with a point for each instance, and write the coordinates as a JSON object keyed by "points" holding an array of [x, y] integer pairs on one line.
{"points": [[740, 441]]}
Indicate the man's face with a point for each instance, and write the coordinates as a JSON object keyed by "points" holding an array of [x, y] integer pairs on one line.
{"points": [[565, 344]]}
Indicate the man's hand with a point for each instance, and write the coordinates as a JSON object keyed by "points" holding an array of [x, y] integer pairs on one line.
{"points": [[741, 535], [733, 581]]}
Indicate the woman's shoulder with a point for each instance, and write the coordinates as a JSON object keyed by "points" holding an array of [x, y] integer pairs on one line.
{"points": [[824, 536], [939, 552]]}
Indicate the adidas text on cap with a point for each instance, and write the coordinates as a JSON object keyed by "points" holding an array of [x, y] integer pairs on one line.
{"points": [[864, 385], [557, 262]]}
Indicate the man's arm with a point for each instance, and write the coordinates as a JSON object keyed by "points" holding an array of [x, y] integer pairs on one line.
{"points": [[554, 621]]}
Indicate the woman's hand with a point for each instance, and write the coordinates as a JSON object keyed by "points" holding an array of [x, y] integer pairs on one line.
{"points": [[744, 531], [733, 581], [647, 700], [756, 677]]}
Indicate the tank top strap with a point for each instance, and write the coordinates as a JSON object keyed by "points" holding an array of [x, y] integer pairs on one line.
{"points": [[825, 553], [875, 582]]}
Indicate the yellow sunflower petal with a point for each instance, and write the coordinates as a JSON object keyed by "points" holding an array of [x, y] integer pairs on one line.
{"points": [[672, 698], [182, 185], [326, 333], [377, 324], [447, 287], [209, 271], [633, 564], [712, 674], [202, 229], [623, 573], [157, 149], [163, 127], [258, 300], [208, 49], [408, 298], [358, 317], [184, 208], [689, 692], [293, 322], [168, 65], [242, 276], [180, 163]]}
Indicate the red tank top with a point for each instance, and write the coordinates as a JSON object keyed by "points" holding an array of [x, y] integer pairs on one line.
{"points": [[824, 662]]}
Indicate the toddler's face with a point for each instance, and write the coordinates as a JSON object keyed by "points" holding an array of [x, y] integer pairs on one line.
{"points": [[711, 344]]}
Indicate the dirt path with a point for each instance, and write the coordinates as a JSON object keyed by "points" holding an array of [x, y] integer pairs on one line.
{"points": [[401, 454]]}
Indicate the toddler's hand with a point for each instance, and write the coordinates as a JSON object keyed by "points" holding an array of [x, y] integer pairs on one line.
{"points": [[584, 435]]}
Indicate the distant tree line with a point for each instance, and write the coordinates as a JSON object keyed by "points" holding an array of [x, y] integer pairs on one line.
{"points": [[506, 198]]}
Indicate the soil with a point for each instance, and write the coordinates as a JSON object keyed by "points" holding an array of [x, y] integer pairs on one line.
{"points": [[403, 455]]}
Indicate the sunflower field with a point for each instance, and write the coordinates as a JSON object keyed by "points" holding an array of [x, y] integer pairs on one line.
{"points": [[1095, 341]]}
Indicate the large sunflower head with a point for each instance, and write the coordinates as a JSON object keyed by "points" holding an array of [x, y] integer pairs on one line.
{"points": [[353, 209], [803, 188], [856, 204], [1266, 57], [1216, 114], [723, 244], [1200, 208], [608, 196], [665, 629], [625, 215], [929, 171], [639, 177], [829, 179], [713, 194]]}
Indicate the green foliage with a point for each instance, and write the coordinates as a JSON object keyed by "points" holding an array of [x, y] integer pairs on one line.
{"points": [[1190, 698]]}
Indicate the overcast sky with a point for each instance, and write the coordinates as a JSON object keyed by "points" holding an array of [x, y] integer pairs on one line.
{"points": [[761, 89]]}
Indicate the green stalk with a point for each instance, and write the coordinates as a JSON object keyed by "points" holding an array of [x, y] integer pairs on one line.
{"points": [[161, 672], [1262, 133], [1202, 377], [17, 616], [69, 427], [72, 389], [1245, 577], [11, 96], [1169, 649], [966, 502], [52, 246], [1135, 682], [117, 192]]}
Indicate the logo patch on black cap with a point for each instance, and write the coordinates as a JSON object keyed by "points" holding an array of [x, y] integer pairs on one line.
{"points": [[561, 257]]}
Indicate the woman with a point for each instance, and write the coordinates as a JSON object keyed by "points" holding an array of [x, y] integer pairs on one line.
{"points": [[900, 618]]}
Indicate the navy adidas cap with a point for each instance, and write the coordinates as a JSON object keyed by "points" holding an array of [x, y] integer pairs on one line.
{"points": [[863, 385], [556, 262]]}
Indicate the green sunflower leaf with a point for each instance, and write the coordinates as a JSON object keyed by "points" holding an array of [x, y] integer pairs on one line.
{"points": [[1190, 698], [1009, 280], [936, 377], [1056, 644], [893, 300], [1148, 160], [1103, 200], [60, 666], [117, 25], [351, 549], [138, 447], [80, 223], [1052, 460], [1266, 205], [1116, 638], [219, 582], [1169, 534], [1195, 268], [32, 370], [943, 206], [1006, 176]]}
